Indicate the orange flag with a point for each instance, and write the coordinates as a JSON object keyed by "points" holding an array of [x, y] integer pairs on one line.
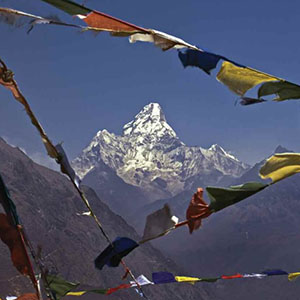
{"points": [[28, 297], [12, 237], [108, 23], [197, 211]]}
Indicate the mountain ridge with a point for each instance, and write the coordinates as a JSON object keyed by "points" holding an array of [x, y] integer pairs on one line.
{"points": [[150, 156]]}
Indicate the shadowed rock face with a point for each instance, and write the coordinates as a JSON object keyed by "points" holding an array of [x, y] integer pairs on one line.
{"points": [[149, 162], [48, 205]]}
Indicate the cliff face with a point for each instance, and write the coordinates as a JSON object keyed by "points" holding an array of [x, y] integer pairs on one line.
{"points": [[48, 207]]}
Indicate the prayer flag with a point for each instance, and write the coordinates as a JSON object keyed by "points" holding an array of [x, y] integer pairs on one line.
{"points": [[69, 7], [254, 275], [159, 223], [201, 59], [122, 286], [274, 272], [241, 79], [162, 40], [163, 277], [141, 280], [113, 254], [96, 19], [191, 280], [197, 211], [59, 286], [280, 166], [283, 89], [65, 165], [232, 276], [293, 276], [8, 204], [28, 297], [249, 101], [223, 197]]}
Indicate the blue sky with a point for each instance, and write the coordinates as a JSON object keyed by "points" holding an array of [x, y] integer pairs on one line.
{"points": [[78, 83]]}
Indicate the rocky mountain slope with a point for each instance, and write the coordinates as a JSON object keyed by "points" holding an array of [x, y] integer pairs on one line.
{"points": [[48, 207], [149, 162]]}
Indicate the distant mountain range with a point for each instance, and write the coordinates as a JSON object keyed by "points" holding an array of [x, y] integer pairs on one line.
{"points": [[50, 209], [149, 162]]}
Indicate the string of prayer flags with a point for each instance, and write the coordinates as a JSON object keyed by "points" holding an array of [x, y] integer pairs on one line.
{"points": [[167, 277], [159, 223], [236, 77], [223, 197], [59, 286], [197, 210], [241, 79], [96, 19], [113, 253], [141, 280], [117, 27], [283, 89], [11, 15], [280, 166]]}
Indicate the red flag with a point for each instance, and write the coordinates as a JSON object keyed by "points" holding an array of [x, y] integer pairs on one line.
{"points": [[232, 276], [122, 286], [108, 23], [28, 297], [197, 211], [13, 238]]}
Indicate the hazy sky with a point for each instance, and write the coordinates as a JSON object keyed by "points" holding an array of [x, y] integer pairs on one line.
{"points": [[78, 83]]}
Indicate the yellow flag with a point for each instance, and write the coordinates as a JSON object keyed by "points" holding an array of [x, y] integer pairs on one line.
{"points": [[191, 280], [239, 79], [293, 276], [76, 293], [280, 166]]}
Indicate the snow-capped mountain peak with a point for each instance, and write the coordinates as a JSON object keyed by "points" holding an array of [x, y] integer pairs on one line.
{"points": [[149, 121], [150, 156], [218, 149]]}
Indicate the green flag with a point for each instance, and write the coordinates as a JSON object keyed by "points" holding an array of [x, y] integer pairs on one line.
{"points": [[223, 197], [60, 287], [284, 90], [69, 7], [7, 203]]}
